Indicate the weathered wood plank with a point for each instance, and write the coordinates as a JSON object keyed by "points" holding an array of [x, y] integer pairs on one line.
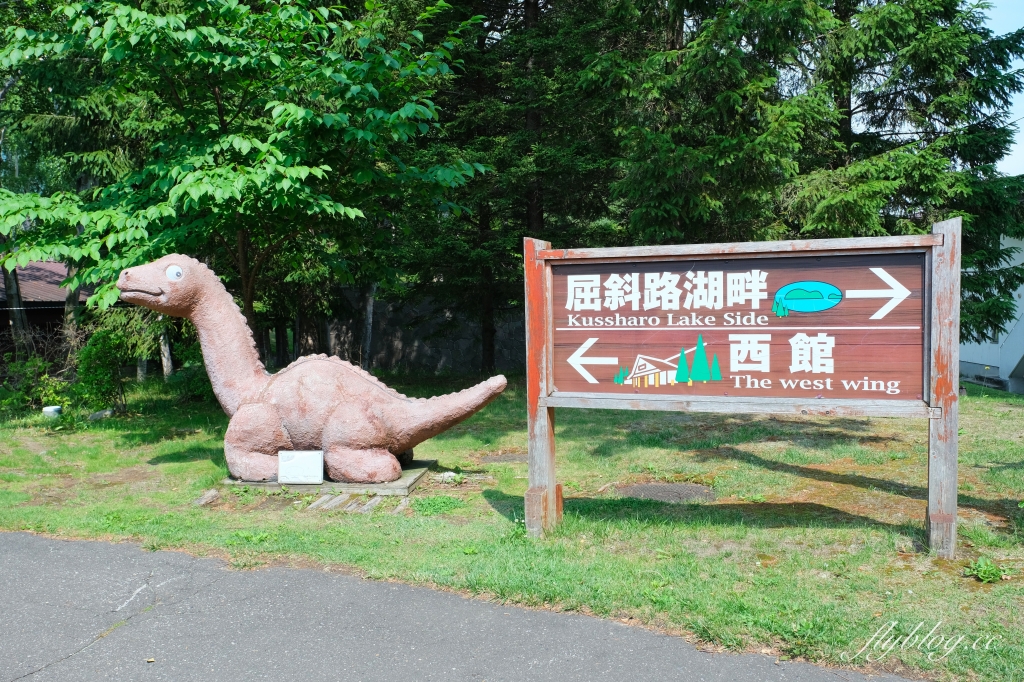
{"points": [[541, 503], [209, 497], [732, 249], [336, 502], [353, 505], [412, 476], [368, 507], [944, 389], [320, 501], [810, 406]]}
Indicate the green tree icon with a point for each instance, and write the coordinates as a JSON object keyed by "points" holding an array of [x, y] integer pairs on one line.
{"points": [[620, 378], [716, 373], [682, 372], [701, 371]]}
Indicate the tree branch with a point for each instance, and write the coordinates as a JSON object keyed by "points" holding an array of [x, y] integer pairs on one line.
{"points": [[10, 82], [220, 109]]}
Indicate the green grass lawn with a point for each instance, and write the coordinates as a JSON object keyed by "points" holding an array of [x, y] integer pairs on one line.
{"points": [[815, 540]]}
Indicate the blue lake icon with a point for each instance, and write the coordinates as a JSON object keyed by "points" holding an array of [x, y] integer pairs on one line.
{"points": [[806, 297]]}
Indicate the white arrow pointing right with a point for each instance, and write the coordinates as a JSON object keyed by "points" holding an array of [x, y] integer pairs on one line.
{"points": [[895, 295], [577, 361]]}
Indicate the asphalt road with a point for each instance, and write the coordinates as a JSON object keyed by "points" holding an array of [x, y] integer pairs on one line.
{"points": [[97, 611]]}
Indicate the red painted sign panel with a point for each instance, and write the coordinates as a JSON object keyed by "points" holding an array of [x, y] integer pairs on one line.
{"points": [[796, 327]]}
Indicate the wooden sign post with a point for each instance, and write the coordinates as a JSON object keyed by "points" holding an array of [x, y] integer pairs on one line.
{"points": [[828, 327]]}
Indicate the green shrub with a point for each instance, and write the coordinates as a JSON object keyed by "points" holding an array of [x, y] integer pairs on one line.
{"points": [[99, 370], [191, 383], [56, 391], [21, 383], [28, 384]]}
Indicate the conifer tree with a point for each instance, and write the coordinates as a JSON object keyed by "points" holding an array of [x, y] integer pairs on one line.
{"points": [[701, 370], [716, 372], [682, 371], [770, 119]]}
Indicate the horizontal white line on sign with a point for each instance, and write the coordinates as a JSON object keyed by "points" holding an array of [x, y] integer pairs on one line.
{"points": [[842, 407], [674, 328]]}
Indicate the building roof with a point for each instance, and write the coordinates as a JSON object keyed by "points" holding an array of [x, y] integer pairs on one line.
{"points": [[39, 282], [645, 365]]}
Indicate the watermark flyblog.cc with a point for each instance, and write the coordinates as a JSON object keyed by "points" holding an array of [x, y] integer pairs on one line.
{"points": [[936, 644]]}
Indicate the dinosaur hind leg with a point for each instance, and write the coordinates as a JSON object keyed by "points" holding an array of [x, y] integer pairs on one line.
{"points": [[361, 466], [355, 444], [253, 438]]}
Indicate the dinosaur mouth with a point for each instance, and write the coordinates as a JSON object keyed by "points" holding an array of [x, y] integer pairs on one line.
{"points": [[129, 294]]}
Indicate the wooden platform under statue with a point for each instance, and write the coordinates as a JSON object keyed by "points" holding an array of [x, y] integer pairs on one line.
{"points": [[412, 475]]}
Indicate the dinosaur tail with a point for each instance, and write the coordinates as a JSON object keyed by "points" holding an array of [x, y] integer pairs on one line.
{"points": [[426, 418]]}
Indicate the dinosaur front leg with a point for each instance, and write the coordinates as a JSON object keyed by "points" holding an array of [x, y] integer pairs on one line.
{"points": [[252, 441]]}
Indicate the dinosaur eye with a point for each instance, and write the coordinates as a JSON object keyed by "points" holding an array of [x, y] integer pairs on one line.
{"points": [[174, 273]]}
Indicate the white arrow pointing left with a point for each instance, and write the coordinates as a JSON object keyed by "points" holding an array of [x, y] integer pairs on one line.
{"points": [[895, 295], [577, 361]]}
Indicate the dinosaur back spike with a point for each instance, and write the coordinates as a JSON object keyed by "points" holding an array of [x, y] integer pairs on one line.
{"points": [[357, 370]]}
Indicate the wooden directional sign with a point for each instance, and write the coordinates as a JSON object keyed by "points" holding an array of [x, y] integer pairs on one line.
{"points": [[807, 327], [825, 327]]}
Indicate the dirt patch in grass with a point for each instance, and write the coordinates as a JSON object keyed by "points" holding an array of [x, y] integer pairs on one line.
{"points": [[56, 491], [675, 493], [505, 455], [129, 476]]}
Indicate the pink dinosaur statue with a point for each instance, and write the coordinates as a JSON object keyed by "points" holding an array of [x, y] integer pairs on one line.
{"points": [[316, 403]]}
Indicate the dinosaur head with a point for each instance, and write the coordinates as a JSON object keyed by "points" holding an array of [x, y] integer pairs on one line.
{"points": [[171, 285]]}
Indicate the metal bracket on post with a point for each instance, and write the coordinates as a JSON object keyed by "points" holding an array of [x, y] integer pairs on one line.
{"points": [[944, 365], [544, 496]]}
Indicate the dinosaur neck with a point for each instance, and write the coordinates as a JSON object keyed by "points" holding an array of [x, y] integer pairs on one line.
{"points": [[229, 351]]}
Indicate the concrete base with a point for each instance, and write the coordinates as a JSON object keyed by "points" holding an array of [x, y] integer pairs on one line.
{"points": [[411, 477]]}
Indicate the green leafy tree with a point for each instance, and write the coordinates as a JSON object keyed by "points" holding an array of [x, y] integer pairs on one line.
{"points": [[270, 127]]}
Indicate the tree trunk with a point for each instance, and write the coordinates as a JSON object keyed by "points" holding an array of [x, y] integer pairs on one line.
{"points": [[487, 324], [140, 369], [165, 355], [71, 311], [845, 68], [308, 335], [265, 343], [534, 190], [248, 279], [296, 342], [367, 347], [488, 331], [16, 314], [281, 341]]}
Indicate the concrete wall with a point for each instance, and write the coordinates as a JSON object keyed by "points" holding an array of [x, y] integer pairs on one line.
{"points": [[1000, 363], [415, 338]]}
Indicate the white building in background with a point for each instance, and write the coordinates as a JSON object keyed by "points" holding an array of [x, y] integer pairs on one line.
{"points": [[1000, 363]]}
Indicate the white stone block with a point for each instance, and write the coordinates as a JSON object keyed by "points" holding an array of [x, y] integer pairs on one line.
{"points": [[300, 467]]}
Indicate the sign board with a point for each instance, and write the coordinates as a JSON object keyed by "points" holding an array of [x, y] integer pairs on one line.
{"points": [[826, 327]]}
